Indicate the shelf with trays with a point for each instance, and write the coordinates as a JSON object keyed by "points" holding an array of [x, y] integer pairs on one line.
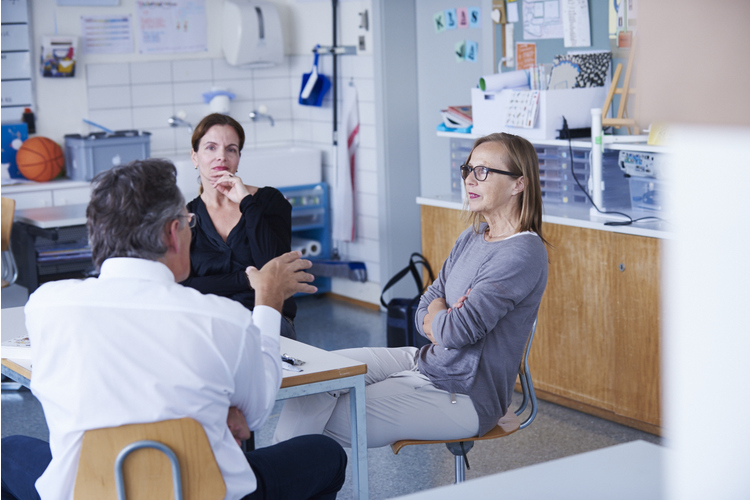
{"points": [[311, 220]]}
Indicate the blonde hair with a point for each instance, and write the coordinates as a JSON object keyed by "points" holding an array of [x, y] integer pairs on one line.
{"points": [[522, 160]]}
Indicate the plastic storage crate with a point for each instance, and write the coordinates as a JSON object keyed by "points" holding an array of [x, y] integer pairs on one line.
{"points": [[647, 193], [86, 156]]}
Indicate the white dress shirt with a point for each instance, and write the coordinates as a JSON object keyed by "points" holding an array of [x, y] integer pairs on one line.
{"points": [[133, 346]]}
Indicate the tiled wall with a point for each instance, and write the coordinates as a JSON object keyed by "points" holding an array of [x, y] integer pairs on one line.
{"points": [[143, 95]]}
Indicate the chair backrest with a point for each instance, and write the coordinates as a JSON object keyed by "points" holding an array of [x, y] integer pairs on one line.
{"points": [[8, 211], [147, 472], [9, 269]]}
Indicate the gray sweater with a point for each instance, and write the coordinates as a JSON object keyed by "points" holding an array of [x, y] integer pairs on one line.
{"points": [[480, 345]]}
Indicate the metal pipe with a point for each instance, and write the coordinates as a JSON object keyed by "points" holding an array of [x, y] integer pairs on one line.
{"points": [[334, 7]]}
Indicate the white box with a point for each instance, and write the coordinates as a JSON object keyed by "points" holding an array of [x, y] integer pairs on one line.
{"points": [[490, 109]]}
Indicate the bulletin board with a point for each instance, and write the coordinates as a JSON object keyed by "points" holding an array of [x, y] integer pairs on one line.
{"points": [[547, 49]]}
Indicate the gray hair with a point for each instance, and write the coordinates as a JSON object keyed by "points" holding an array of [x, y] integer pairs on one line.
{"points": [[130, 208]]}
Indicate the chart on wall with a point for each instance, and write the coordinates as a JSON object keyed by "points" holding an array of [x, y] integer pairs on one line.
{"points": [[173, 26]]}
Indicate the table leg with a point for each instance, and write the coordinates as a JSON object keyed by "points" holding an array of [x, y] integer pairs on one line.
{"points": [[358, 419]]}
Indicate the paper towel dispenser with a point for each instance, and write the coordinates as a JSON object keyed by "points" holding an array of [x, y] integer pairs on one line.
{"points": [[252, 34]]}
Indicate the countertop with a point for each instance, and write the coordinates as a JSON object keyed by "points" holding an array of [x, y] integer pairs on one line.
{"points": [[570, 215]]}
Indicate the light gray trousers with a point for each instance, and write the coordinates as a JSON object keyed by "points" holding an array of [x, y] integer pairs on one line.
{"points": [[401, 404]]}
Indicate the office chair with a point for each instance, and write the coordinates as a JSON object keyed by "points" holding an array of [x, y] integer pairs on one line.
{"points": [[130, 458], [9, 269], [507, 425]]}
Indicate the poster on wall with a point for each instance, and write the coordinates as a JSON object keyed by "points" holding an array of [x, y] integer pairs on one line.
{"points": [[106, 34], [172, 26], [542, 19]]}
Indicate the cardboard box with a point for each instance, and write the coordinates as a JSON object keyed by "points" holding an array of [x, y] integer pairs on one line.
{"points": [[490, 110]]}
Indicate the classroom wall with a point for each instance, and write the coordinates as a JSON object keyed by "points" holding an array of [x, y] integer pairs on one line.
{"points": [[124, 91]]}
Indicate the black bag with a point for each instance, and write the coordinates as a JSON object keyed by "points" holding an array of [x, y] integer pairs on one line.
{"points": [[401, 330]]}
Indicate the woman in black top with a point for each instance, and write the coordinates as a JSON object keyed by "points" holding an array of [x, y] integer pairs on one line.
{"points": [[238, 225]]}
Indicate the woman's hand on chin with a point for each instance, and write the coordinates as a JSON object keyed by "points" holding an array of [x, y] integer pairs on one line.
{"points": [[230, 186]]}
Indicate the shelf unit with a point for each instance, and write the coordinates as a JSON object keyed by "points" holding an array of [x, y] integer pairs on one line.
{"points": [[311, 220]]}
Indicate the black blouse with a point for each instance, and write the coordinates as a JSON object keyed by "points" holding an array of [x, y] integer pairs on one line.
{"points": [[263, 232]]}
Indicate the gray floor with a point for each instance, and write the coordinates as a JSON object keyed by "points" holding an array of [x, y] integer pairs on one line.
{"points": [[330, 324]]}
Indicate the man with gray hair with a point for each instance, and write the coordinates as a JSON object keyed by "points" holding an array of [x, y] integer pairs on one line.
{"points": [[134, 346]]}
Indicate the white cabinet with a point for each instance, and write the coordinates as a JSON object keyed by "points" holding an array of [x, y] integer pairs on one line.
{"points": [[48, 194]]}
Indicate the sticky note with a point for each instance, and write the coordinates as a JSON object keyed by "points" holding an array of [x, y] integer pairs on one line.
{"points": [[474, 17], [460, 50], [463, 17], [450, 19], [439, 20], [472, 48]]}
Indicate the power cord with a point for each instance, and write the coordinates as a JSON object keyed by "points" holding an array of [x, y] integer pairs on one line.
{"points": [[565, 133]]}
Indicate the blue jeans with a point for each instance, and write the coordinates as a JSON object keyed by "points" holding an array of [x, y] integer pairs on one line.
{"points": [[307, 467]]}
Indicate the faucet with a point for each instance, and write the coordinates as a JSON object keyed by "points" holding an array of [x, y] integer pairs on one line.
{"points": [[176, 121], [261, 114]]}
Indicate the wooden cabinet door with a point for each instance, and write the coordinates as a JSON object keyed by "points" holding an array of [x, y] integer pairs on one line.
{"points": [[635, 313], [573, 354]]}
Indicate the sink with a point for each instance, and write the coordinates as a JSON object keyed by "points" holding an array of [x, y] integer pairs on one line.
{"points": [[277, 167]]}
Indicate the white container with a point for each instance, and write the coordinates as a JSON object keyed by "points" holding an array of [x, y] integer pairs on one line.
{"points": [[252, 34], [490, 110]]}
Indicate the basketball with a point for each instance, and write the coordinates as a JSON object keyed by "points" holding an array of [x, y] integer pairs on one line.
{"points": [[40, 159]]}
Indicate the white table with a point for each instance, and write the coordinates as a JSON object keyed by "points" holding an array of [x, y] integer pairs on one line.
{"points": [[323, 371], [626, 471]]}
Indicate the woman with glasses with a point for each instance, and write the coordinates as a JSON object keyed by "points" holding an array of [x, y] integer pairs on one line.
{"points": [[238, 225], [478, 315]]}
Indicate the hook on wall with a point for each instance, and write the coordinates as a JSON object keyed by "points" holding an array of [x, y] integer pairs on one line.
{"points": [[364, 22]]}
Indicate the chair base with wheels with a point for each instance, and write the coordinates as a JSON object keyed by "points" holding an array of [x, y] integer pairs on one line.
{"points": [[507, 425]]}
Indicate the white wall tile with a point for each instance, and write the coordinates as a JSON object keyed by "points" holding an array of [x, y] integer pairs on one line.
{"points": [[365, 90], [300, 112], [152, 94], [363, 249], [367, 136], [299, 64], [107, 74], [152, 117], [182, 138], [195, 70], [189, 92], [322, 132], [366, 204], [302, 131], [150, 72], [366, 113], [367, 227], [242, 89], [114, 119], [162, 140], [271, 88], [240, 110], [109, 97], [265, 134], [360, 66], [194, 112], [367, 159], [366, 182], [279, 109], [222, 70], [274, 71], [321, 113]]}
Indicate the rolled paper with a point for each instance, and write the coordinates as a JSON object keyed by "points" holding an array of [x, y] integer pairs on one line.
{"points": [[308, 248], [500, 81]]}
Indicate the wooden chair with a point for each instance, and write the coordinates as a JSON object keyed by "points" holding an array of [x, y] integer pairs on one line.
{"points": [[10, 271], [131, 458], [507, 425]]}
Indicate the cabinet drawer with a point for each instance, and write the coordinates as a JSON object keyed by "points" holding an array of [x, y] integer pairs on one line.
{"points": [[33, 199], [72, 196]]}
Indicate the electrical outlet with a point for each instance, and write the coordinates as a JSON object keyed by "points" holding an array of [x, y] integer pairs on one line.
{"points": [[362, 43]]}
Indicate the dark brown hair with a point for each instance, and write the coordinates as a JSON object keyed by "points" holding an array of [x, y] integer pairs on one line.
{"points": [[216, 119], [522, 160]]}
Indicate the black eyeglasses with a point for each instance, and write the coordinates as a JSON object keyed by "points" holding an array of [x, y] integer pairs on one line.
{"points": [[192, 219], [480, 173]]}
